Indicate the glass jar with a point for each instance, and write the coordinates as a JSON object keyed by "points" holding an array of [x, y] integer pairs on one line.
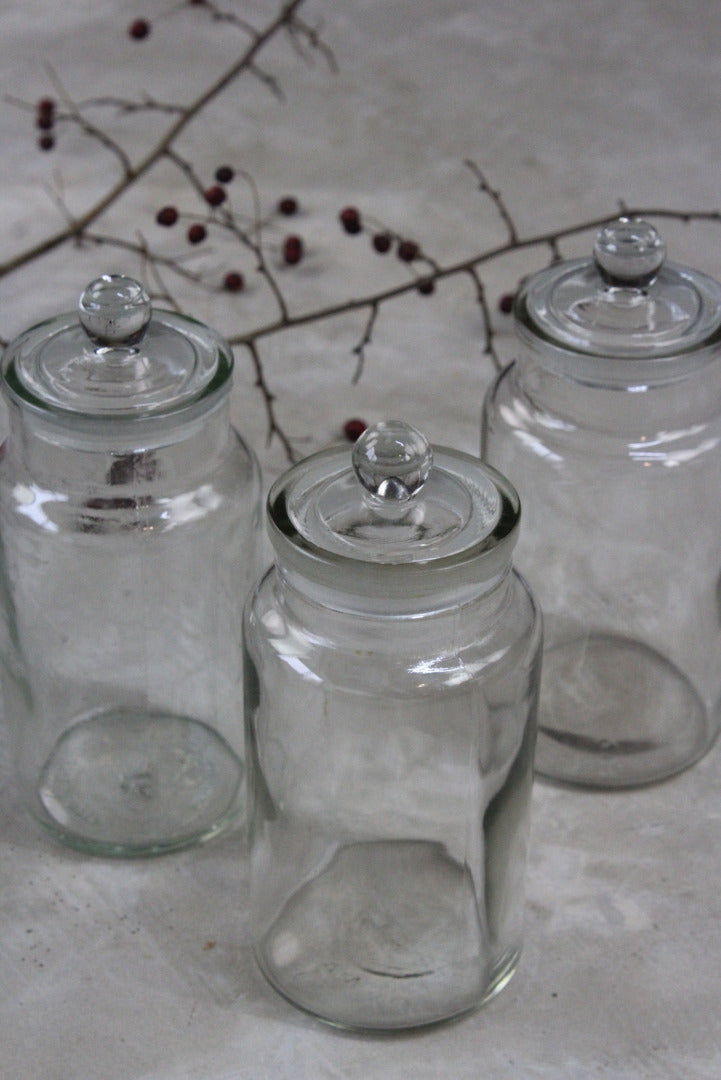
{"points": [[391, 681], [129, 525], [609, 424]]}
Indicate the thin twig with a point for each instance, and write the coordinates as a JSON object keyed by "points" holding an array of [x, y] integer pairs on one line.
{"points": [[75, 116], [555, 249], [126, 106], [489, 347], [299, 30], [274, 428], [140, 248], [359, 350], [229, 17], [187, 170], [256, 245], [497, 199], [162, 292]]}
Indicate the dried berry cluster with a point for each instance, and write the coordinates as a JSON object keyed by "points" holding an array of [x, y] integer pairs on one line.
{"points": [[292, 247], [383, 241], [45, 116]]}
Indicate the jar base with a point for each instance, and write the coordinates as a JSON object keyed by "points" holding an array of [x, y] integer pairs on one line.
{"points": [[615, 713], [388, 937], [130, 782]]}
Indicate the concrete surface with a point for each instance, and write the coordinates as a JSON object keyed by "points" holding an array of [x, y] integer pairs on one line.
{"points": [[141, 970]]}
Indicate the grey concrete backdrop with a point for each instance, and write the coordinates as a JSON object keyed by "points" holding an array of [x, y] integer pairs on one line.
{"points": [[141, 970]]}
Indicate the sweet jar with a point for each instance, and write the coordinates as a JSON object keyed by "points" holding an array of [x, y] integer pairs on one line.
{"points": [[609, 424], [129, 525], [392, 671]]}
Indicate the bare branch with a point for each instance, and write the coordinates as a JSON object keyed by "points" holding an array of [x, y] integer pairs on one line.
{"points": [[470, 266], [241, 64]]}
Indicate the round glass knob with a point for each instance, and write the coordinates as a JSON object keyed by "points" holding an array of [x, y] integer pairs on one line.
{"points": [[115, 310], [392, 460], [629, 253]]}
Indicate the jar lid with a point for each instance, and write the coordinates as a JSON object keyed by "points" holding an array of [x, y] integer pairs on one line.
{"points": [[393, 518], [626, 301], [116, 357]]}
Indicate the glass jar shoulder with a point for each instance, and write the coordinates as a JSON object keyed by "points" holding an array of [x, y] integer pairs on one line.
{"points": [[434, 653], [101, 491], [548, 416]]}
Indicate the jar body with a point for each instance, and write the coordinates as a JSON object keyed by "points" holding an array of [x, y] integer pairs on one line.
{"points": [[622, 546], [123, 573], [390, 765]]}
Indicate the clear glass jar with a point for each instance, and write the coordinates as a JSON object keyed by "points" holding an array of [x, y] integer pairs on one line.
{"points": [[391, 681], [609, 424], [129, 525]]}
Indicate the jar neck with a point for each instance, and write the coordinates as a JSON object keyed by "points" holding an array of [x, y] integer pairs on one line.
{"points": [[137, 453]]}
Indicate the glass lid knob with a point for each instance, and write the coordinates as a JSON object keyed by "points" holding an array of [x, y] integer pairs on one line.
{"points": [[629, 253], [115, 310], [392, 460]]}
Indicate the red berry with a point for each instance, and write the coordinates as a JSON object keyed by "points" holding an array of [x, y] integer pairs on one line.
{"points": [[234, 282], [426, 286], [350, 219], [408, 250], [215, 195], [505, 303], [46, 142], [139, 29], [45, 121], [224, 174], [292, 250], [196, 234], [288, 205], [45, 107], [167, 216], [353, 429], [382, 243]]}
